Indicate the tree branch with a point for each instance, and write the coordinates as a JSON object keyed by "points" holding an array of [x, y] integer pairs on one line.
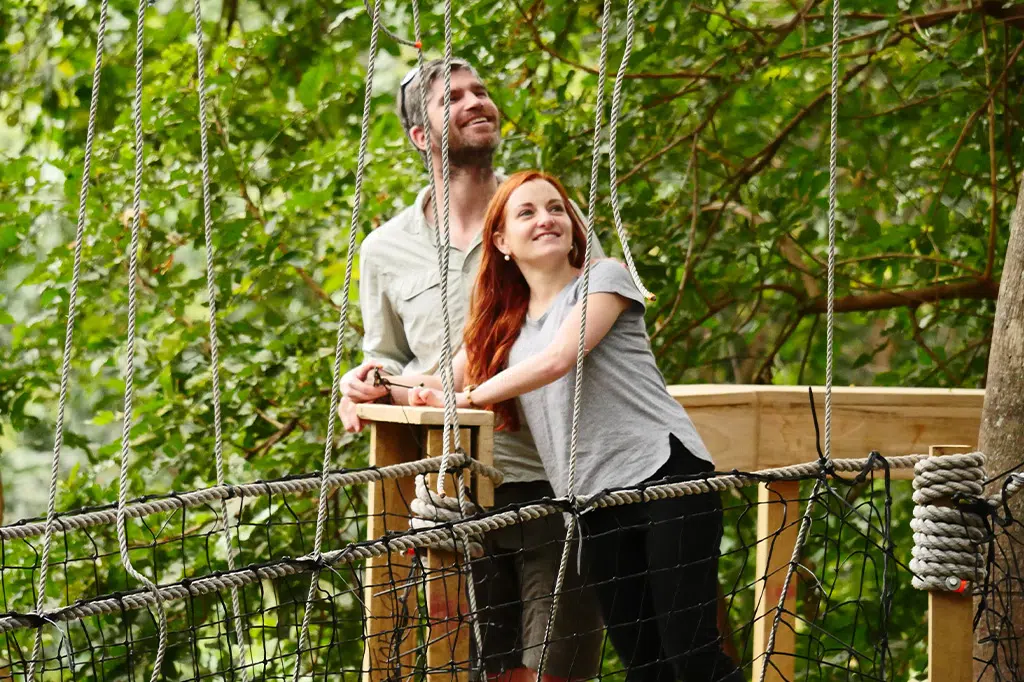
{"points": [[978, 289], [256, 214], [924, 346]]}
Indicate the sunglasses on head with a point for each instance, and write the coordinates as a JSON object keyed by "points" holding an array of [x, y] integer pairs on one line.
{"points": [[409, 77]]}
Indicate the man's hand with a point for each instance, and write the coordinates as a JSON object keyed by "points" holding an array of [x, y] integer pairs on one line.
{"points": [[357, 386], [347, 412]]}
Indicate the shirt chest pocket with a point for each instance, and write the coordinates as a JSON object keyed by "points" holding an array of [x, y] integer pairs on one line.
{"points": [[418, 300]]}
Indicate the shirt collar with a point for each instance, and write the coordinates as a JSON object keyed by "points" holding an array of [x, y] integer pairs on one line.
{"points": [[419, 220]]}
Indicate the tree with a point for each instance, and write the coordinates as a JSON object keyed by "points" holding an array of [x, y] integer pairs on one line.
{"points": [[1002, 441]]}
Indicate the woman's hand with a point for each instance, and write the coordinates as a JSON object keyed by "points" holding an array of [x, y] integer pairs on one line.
{"points": [[430, 397], [425, 397]]}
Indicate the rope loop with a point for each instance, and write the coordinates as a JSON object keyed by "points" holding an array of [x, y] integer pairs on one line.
{"points": [[430, 510], [950, 527]]}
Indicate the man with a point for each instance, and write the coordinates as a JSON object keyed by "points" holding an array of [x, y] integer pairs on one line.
{"points": [[401, 305]]}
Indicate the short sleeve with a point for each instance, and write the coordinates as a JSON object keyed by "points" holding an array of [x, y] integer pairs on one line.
{"points": [[611, 277]]}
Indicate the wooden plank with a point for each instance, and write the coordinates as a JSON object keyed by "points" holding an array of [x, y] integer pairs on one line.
{"points": [[778, 522], [726, 394], [388, 510], [950, 622], [448, 654], [894, 421], [429, 416], [483, 452], [730, 433]]}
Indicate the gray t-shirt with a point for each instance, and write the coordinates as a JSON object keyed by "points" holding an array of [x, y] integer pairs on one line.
{"points": [[626, 414], [400, 297]]}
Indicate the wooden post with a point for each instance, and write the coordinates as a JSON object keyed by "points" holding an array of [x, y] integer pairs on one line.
{"points": [[387, 609], [778, 522], [401, 434], [950, 620]]}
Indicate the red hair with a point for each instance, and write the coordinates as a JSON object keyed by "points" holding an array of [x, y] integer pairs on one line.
{"points": [[501, 295]]}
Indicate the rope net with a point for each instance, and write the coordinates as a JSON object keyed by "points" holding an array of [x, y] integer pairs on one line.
{"points": [[396, 607]]}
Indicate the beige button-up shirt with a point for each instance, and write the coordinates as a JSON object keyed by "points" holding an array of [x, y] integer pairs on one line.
{"points": [[400, 297]]}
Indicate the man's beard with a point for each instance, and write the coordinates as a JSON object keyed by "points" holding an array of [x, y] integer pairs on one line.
{"points": [[463, 155]]}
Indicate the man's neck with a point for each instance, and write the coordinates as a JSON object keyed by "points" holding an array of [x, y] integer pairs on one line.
{"points": [[470, 190]]}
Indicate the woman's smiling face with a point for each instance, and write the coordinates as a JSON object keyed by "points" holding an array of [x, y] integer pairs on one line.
{"points": [[537, 226]]}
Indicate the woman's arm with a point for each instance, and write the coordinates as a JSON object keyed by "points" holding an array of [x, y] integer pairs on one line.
{"points": [[551, 364]]}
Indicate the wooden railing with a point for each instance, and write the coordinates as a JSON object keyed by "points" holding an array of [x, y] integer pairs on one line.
{"points": [[747, 428]]}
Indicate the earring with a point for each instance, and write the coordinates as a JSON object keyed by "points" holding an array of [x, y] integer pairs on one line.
{"points": [[507, 257]]}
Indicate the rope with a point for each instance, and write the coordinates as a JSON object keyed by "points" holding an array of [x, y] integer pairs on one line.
{"points": [[450, 434], [211, 295], [69, 331], [832, 172], [949, 542], [801, 538], [433, 537], [198, 498], [451, 415], [388, 32], [430, 510], [321, 517], [126, 427], [613, 130], [581, 345]]}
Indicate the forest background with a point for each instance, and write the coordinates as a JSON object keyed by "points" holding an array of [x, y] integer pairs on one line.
{"points": [[722, 172]]}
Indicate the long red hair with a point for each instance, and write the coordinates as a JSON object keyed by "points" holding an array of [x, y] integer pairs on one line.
{"points": [[501, 295]]}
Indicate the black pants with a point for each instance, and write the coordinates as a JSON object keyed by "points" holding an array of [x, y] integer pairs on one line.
{"points": [[655, 568]]}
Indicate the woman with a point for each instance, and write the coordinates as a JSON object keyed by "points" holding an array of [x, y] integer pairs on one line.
{"points": [[655, 564]]}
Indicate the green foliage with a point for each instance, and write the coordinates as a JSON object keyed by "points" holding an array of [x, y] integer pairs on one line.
{"points": [[730, 166]]}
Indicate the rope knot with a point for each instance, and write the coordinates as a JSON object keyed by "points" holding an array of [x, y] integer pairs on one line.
{"points": [[431, 510], [950, 532]]}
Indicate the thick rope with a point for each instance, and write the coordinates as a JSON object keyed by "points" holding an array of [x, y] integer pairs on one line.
{"points": [[949, 541], [424, 539], [206, 496], [595, 161], [69, 332], [613, 131], [129, 379], [211, 295], [339, 344], [832, 172], [430, 510]]}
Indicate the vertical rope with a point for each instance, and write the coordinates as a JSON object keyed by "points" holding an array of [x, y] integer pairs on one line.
{"points": [[129, 379], [580, 348], [69, 331], [450, 434], [339, 343], [451, 415], [833, 145], [211, 294], [805, 522], [613, 130], [801, 538]]}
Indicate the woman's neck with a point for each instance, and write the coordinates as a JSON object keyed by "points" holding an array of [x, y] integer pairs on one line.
{"points": [[545, 283]]}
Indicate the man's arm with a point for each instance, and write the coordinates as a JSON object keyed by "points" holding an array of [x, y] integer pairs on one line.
{"points": [[384, 341]]}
